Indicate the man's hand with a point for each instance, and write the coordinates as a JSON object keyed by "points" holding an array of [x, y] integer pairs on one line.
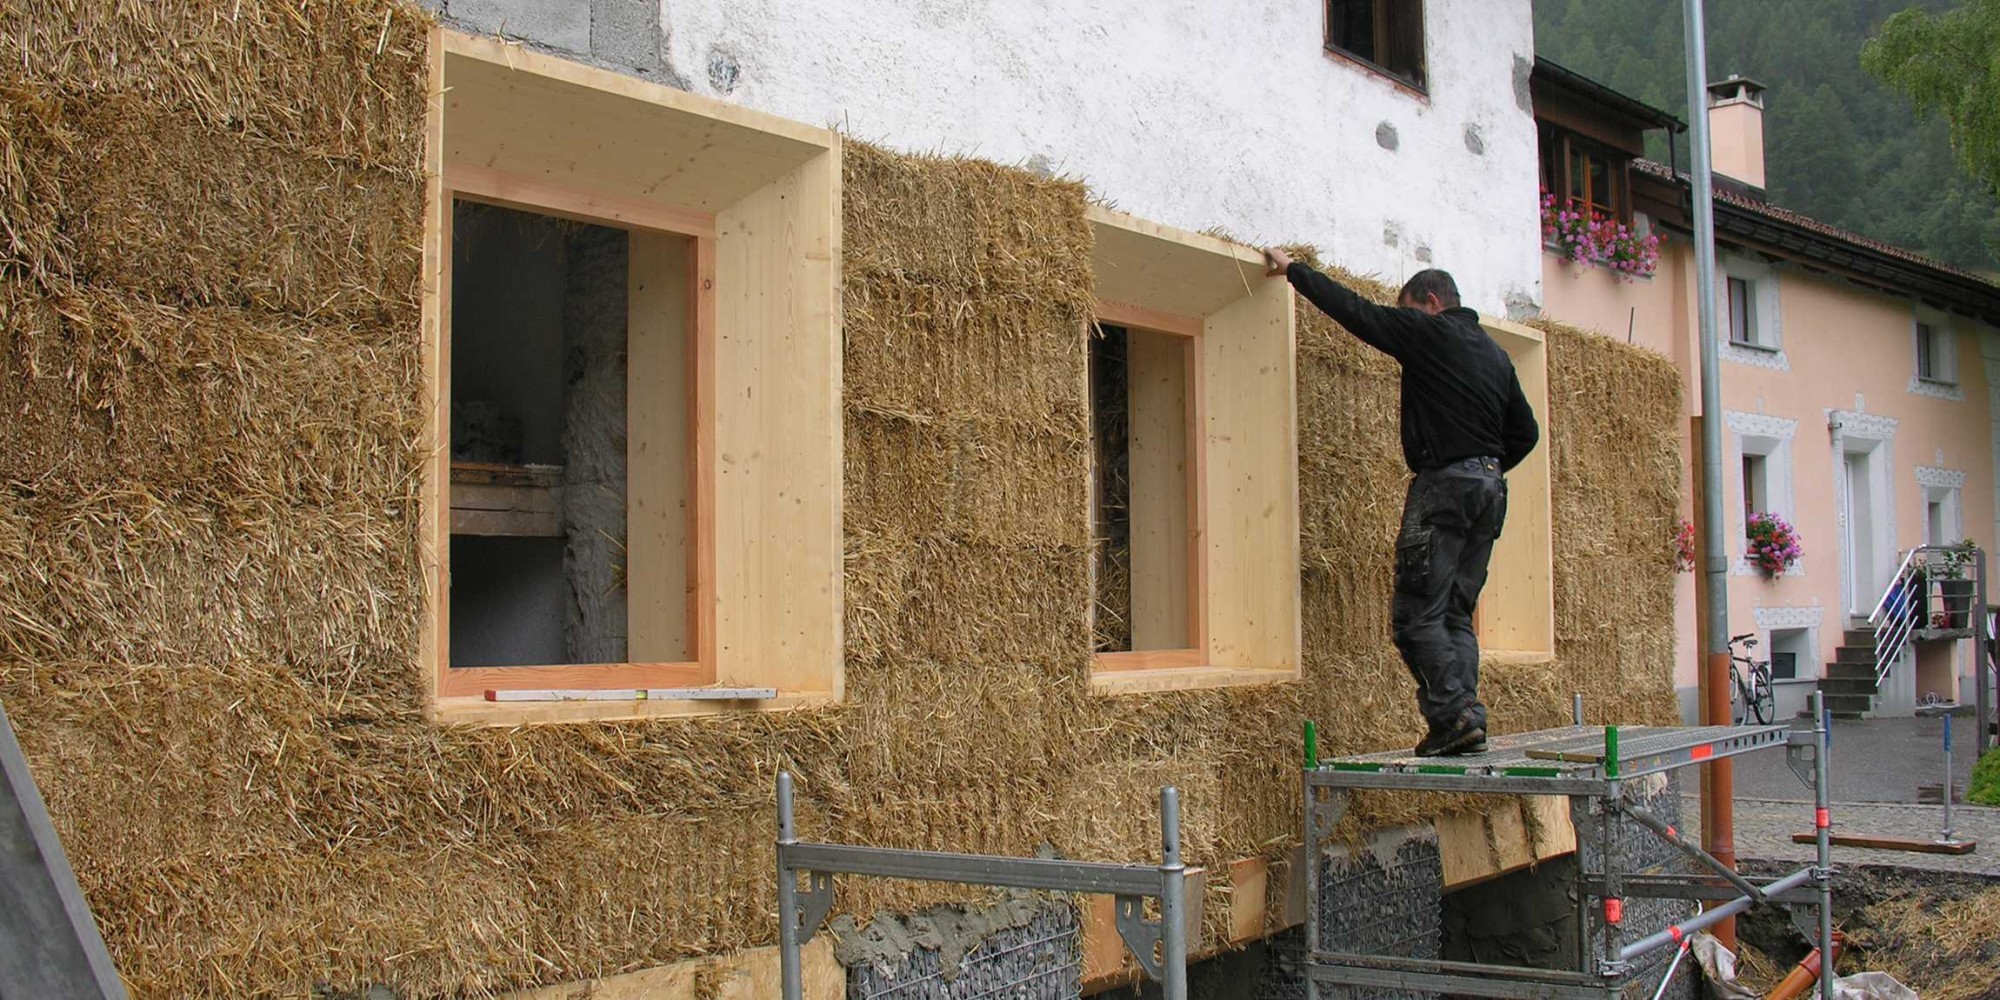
{"points": [[1277, 262]]}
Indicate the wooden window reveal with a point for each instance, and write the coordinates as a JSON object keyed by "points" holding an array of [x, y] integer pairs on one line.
{"points": [[1385, 35], [1146, 501], [572, 402]]}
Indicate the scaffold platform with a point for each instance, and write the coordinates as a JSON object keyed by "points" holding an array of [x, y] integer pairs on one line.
{"points": [[1598, 768]]}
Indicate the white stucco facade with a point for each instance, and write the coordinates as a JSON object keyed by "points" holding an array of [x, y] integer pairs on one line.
{"points": [[1196, 113]]}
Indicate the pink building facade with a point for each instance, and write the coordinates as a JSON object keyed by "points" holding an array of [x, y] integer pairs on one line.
{"points": [[1860, 385]]}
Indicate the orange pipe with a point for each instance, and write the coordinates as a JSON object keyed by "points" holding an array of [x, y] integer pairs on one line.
{"points": [[1805, 974]]}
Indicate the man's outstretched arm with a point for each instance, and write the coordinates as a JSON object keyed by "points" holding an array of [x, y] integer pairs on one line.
{"points": [[1387, 330]]}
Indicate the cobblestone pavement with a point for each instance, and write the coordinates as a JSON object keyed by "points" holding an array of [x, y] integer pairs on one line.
{"points": [[1764, 829]]}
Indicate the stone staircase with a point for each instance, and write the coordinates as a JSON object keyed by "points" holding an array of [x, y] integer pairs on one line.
{"points": [[1849, 684]]}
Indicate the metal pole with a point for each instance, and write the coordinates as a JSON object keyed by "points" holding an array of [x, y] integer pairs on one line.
{"points": [[1614, 904], [1173, 885], [1982, 656], [788, 905], [1945, 837], [1718, 808], [1576, 709], [1823, 827]]}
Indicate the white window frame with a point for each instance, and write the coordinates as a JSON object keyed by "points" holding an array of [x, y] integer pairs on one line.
{"points": [[1766, 348], [1945, 487], [1809, 619], [1768, 437], [1944, 344]]}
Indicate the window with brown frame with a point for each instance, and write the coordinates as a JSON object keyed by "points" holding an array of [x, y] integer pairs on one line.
{"points": [[1144, 393], [1583, 174], [1385, 35], [579, 315]]}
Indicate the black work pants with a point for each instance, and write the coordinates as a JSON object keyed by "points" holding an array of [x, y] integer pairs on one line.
{"points": [[1451, 517]]}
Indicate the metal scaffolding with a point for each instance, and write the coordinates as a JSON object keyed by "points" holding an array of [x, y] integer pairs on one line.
{"points": [[1591, 766], [1160, 946]]}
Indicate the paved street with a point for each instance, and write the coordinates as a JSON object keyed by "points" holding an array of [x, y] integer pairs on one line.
{"points": [[1874, 760], [1877, 766]]}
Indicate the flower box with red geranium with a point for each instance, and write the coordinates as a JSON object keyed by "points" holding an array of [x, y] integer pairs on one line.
{"points": [[1774, 544], [1598, 240]]}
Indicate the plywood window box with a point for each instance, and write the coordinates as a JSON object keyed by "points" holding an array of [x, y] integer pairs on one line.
{"points": [[521, 501], [722, 539], [1204, 496]]}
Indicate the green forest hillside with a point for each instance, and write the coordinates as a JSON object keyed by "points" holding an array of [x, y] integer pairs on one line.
{"points": [[1839, 146]]}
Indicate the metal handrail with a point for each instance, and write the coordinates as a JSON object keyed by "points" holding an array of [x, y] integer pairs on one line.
{"points": [[1891, 641], [1901, 570]]}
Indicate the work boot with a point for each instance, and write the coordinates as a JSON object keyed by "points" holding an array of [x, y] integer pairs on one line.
{"points": [[1464, 735]]}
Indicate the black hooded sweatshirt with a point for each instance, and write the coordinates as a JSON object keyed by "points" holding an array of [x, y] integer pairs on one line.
{"points": [[1461, 398]]}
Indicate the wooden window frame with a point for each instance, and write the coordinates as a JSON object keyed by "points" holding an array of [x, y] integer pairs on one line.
{"points": [[1561, 181], [483, 185], [758, 197], [1416, 84], [1188, 330], [1240, 328]]}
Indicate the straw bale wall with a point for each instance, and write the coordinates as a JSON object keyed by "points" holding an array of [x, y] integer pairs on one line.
{"points": [[209, 589]]}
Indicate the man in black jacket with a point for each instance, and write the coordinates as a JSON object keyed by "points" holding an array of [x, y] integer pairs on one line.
{"points": [[1465, 424]]}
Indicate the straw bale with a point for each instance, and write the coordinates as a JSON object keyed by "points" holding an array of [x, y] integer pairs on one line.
{"points": [[36, 140], [334, 78], [209, 580], [213, 215]]}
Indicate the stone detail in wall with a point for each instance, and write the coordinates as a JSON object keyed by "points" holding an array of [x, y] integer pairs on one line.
{"points": [[1757, 357], [1937, 390], [1944, 479], [1770, 618]]}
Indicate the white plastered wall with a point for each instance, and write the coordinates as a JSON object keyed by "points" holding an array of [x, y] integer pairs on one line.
{"points": [[1194, 113]]}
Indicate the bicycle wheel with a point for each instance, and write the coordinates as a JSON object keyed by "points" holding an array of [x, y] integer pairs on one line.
{"points": [[1763, 699], [1736, 698]]}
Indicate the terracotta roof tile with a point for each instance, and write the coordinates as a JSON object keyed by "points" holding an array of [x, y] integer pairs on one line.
{"points": [[1743, 201]]}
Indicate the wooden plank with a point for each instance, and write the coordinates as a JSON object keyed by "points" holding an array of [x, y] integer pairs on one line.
{"points": [[1152, 681], [506, 523], [1151, 659], [481, 496], [548, 118], [1249, 899], [547, 197], [777, 435], [1517, 608], [1515, 833], [751, 974], [1169, 270], [433, 514], [1250, 471], [478, 680], [477, 711], [1907, 844], [1159, 469], [658, 518], [634, 694], [701, 419], [1131, 316]]}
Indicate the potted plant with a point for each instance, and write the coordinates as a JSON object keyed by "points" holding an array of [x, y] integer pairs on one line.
{"points": [[1948, 568], [1774, 544]]}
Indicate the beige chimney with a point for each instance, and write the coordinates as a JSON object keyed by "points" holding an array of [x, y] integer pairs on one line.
{"points": [[1736, 129]]}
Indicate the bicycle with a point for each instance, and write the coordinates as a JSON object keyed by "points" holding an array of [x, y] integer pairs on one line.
{"points": [[1750, 692]]}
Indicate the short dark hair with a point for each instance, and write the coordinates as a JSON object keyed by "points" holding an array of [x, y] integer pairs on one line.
{"points": [[1428, 282]]}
